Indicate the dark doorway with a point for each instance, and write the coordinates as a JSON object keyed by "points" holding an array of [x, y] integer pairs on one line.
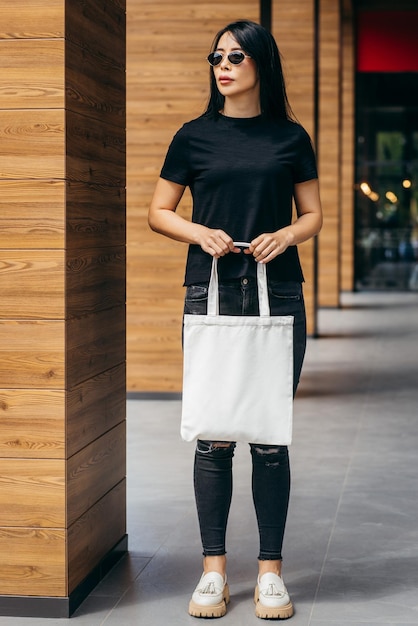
{"points": [[386, 198]]}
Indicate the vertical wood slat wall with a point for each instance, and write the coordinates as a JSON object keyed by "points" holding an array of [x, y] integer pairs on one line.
{"points": [[167, 85], [62, 280], [329, 151], [95, 281], [293, 28], [346, 257], [336, 150]]}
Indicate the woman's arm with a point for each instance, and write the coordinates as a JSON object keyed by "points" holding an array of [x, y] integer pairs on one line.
{"points": [[267, 246], [162, 218]]}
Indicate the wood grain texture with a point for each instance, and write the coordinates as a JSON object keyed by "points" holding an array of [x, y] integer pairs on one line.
{"points": [[210, 16], [94, 534], [95, 344], [95, 152], [330, 152], [95, 470], [32, 423], [94, 85], [32, 272], [145, 367], [95, 280], [95, 216], [32, 284], [32, 19], [95, 56], [32, 144], [293, 29], [32, 212], [95, 407], [32, 354], [33, 562], [347, 157], [98, 26], [32, 74], [32, 492]]}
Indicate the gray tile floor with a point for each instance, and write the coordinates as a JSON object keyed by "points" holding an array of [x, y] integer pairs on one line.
{"points": [[351, 546]]}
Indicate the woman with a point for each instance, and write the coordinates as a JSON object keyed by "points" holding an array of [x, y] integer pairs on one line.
{"points": [[244, 160]]}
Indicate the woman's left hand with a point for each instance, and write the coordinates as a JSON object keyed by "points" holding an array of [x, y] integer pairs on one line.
{"points": [[267, 246]]}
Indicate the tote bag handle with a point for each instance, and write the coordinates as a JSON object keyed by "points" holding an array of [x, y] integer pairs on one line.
{"points": [[213, 289]]}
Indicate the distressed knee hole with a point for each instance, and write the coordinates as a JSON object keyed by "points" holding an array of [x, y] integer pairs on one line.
{"points": [[266, 451], [271, 456], [208, 447]]}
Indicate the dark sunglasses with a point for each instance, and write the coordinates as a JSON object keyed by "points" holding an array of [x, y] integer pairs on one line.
{"points": [[236, 57]]}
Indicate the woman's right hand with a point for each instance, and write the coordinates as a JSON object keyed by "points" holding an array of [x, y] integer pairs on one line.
{"points": [[162, 218], [215, 241]]}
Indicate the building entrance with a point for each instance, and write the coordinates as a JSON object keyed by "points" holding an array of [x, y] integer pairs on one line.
{"points": [[386, 241]]}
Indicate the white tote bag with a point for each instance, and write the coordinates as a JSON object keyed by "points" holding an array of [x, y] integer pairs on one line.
{"points": [[238, 373]]}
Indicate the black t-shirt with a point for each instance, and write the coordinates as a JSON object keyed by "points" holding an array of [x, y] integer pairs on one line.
{"points": [[241, 173]]}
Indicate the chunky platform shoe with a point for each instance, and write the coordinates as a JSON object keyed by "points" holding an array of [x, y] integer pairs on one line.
{"points": [[271, 598], [210, 597]]}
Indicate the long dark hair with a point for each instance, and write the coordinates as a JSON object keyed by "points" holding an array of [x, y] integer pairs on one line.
{"points": [[260, 45]]}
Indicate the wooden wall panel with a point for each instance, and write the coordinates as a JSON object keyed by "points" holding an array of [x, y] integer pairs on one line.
{"points": [[32, 143], [32, 354], [95, 34], [32, 211], [167, 84], [293, 28], [32, 325], [89, 539], [32, 493], [32, 423], [95, 470], [95, 344], [94, 280], [347, 147], [44, 86], [95, 215], [95, 151], [21, 274], [62, 279], [94, 407], [84, 70], [32, 561], [330, 151], [99, 26], [30, 19]]}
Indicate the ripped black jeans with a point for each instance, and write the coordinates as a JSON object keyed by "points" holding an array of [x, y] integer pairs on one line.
{"points": [[270, 464]]}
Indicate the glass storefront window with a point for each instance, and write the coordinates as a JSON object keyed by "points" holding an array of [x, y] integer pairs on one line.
{"points": [[386, 244]]}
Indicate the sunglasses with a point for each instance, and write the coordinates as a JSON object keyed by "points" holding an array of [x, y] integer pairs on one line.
{"points": [[236, 57]]}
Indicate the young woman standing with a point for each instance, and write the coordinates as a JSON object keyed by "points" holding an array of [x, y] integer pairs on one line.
{"points": [[245, 160]]}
